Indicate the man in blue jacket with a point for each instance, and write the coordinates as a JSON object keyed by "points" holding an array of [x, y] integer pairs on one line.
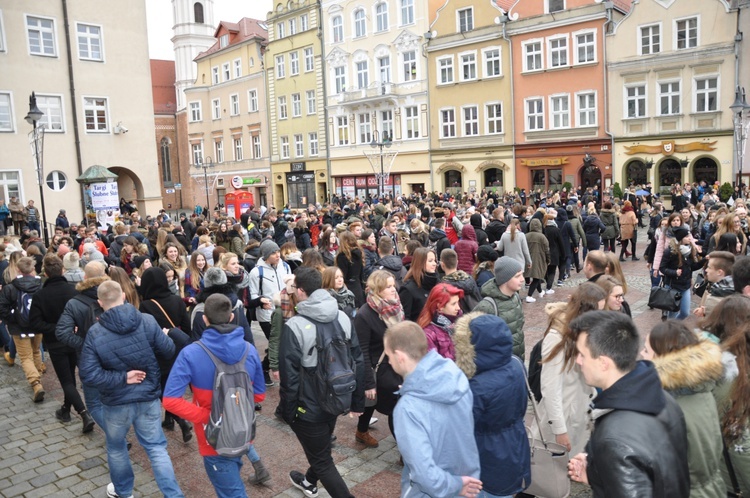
{"points": [[119, 359]]}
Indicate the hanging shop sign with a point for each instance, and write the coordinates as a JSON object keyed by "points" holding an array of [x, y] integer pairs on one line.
{"points": [[669, 147], [547, 161]]}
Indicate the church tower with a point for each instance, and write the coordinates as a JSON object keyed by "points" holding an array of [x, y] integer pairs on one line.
{"points": [[193, 33]]}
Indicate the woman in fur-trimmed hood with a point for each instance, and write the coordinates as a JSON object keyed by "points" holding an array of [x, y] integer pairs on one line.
{"points": [[484, 352], [689, 369]]}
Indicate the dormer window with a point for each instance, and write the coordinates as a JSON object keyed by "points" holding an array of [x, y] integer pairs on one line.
{"points": [[223, 41]]}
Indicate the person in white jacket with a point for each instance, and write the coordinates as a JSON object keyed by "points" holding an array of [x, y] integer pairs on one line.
{"points": [[564, 408], [513, 244]]}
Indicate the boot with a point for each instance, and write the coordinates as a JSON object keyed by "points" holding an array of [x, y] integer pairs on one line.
{"points": [[261, 473], [88, 422], [38, 395], [168, 423], [63, 414], [8, 358], [366, 439], [186, 429], [636, 258]]}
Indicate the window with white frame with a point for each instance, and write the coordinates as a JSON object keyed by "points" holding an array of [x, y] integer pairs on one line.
{"points": [[166, 160], [445, 70], [360, 23], [363, 75], [197, 153], [650, 39], [465, 19], [294, 63], [558, 51], [251, 62], [226, 71], [224, 40], [292, 27], [219, 150], [89, 42], [252, 100], [585, 47], [468, 66], [6, 112], [280, 30], [687, 33], [635, 101], [304, 23], [237, 143], [257, 148], [95, 112], [312, 143], [706, 94], [51, 106], [365, 128], [337, 23], [9, 184], [410, 65], [494, 118], [586, 109], [447, 123], [56, 181], [560, 111], [669, 97], [238, 68], [195, 111], [386, 123], [534, 114], [342, 130], [41, 35], [381, 17], [339, 78], [407, 12], [554, 6], [299, 146], [491, 62], [280, 67], [2, 33], [471, 120], [296, 105], [384, 66], [216, 109], [234, 104], [282, 107], [411, 115], [309, 60], [310, 98], [215, 75], [532, 60]]}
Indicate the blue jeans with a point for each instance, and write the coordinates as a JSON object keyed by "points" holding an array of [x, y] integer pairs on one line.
{"points": [[94, 405], [7, 341], [252, 455], [145, 418], [485, 494], [684, 307], [224, 474]]}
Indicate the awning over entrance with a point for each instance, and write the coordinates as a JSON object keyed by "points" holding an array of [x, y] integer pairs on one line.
{"points": [[96, 174]]}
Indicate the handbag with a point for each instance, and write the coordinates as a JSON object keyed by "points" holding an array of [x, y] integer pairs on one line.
{"points": [[549, 461], [387, 382], [700, 285], [736, 490], [663, 298]]}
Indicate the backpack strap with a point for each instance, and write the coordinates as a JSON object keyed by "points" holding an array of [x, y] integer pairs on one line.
{"points": [[163, 312], [492, 301], [217, 362], [260, 280]]}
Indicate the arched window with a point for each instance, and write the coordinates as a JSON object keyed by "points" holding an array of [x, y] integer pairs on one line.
{"points": [[706, 170], [166, 161], [669, 174], [360, 26], [198, 12], [493, 177], [338, 29], [453, 181], [635, 173], [381, 17]]}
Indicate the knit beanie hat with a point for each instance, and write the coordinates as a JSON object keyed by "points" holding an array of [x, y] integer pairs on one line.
{"points": [[486, 253], [71, 261], [267, 248], [62, 250], [680, 233], [505, 269], [214, 276], [139, 260]]}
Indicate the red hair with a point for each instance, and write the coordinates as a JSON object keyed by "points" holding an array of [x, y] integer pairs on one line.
{"points": [[438, 298]]}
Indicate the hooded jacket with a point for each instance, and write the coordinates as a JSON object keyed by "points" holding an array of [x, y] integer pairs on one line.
{"points": [[484, 353], [476, 222], [122, 340], [154, 287], [9, 301], [689, 375], [593, 228], [298, 359], [611, 224], [435, 412], [194, 368], [539, 249], [466, 283], [639, 443], [509, 308], [466, 249], [439, 239], [395, 266], [70, 329], [46, 308], [273, 282], [495, 230]]}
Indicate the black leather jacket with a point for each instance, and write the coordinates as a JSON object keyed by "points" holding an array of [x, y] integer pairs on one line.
{"points": [[639, 444]]}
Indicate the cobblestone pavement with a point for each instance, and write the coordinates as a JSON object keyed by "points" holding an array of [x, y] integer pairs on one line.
{"points": [[42, 457]]}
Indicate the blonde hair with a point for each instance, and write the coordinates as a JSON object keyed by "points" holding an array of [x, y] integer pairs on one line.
{"points": [[614, 269], [225, 258], [378, 281]]}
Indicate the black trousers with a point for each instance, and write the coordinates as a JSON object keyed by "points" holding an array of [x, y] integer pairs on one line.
{"points": [[266, 328], [363, 423], [315, 438], [551, 270], [65, 364]]}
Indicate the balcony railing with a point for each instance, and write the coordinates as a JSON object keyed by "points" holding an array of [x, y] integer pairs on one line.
{"points": [[381, 91]]}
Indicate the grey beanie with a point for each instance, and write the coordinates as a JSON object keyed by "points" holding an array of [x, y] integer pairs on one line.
{"points": [[214, 276], [505, 269], [268, 247]]}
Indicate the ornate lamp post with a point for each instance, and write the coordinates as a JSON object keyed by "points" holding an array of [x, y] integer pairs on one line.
{"points": [[36, 139], [740, 110], [205, 165], [387, 141]]}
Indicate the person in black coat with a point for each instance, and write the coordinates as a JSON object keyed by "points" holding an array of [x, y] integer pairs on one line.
{"points": [[418, 282], [593, 228], [476, 222], [556, 251], [677, 265], [496, 228], [350, 261]]}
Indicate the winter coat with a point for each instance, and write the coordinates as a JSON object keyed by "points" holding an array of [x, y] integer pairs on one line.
{"points": [[435, 411], [239, 320], [517, 249], [556, 244], [689, 375], [509, 308], [154, 287], [16, 210], [495, 230], [353, 274], [46, 307], [628, 221], [9, 301], [439, 240], [395, 266], [579, 235], [440, 339], [594, 228], [565, 394], [272, 283], [670, 263], [371, 257], [414, 297], [370, 332], [476, 223], [124, 337], [302, 238], [466, 283], [466, 249], [483, 277], [484, 353], [638, 446], [77, 313], [611, 224], [539, 250]]}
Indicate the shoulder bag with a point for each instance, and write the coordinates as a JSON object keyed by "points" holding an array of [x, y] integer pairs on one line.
{"points": [[736, 490], [664, 298]]}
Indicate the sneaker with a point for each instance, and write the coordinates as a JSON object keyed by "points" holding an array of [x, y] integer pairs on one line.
{"points": [[530, 299], [268, 379], [111, 492], [559, 283], [298, 481], [550, 291], [541, 294], [63, 414], [373, 420], [11, 361]]}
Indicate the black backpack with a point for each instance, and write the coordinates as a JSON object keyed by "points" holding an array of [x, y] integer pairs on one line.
{"points": [[94, 312], [334, 377], [535, 370], [23, 309]]}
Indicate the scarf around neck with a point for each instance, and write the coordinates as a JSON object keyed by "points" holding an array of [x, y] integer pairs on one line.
{"points": [[391, 312], [344, 297]]}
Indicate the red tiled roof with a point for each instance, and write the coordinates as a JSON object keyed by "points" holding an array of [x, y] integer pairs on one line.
{"points": [[623, 5], [505, 4], [162, 86], [238, 32]]}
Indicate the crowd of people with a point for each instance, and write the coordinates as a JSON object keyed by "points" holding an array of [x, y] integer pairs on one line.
{"points": [[428, 293]]}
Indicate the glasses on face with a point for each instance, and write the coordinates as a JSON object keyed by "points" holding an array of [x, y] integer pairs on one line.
{"points": [[619, 297]]}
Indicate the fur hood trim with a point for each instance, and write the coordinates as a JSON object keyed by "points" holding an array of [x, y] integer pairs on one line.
{"points": [[465, 354], [690, 368], [90, 282], [556, 314]]}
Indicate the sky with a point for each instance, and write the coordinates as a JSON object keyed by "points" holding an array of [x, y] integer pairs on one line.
{"points": [[160, 22]]}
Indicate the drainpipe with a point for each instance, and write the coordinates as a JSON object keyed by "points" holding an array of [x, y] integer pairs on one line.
{"points": [[323, 78], [429, 35], [73, 102], [608, 6], [504, 22]]}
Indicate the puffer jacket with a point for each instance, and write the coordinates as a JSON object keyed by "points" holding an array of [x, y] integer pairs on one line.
{"points": [[611, 224], [509, 308], [439, 337], [466, 249], [594, 228], [124, 339], [70, 329], [466, 283], [539, 251], [484, 353], [689, 375]]}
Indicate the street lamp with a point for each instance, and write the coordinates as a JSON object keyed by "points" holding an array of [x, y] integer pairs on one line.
{"points": [[387, 141], [36, 137], [739, 108], [205, 164]]}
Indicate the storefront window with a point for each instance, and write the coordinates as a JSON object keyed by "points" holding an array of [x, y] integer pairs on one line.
{"points": [[547, 179], [669, 174], [555, 178], [301, 188], [539, 179], [453, 182], [706, 170], [366, 186], [493, 178], [635, 173]]}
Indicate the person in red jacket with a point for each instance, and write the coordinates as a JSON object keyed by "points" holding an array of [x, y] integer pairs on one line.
{"points": [[467, 248]]}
